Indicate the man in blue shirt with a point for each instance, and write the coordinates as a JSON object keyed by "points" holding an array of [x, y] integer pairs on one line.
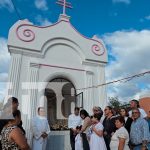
{"points": [[139, 134]]}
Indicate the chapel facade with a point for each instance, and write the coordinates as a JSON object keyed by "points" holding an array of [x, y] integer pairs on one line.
{"points": [[57, 68]]}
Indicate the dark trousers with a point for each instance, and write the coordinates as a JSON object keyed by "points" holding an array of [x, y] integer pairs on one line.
{"points": [[85, 142], [0, 146], [72, 140], [107, 141]]}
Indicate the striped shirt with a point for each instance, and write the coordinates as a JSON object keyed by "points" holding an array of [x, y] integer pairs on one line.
{"points": [[139, 131]]}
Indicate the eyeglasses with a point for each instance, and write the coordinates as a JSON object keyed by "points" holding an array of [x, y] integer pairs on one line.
{"points": [[122, 111], [135, 112]]}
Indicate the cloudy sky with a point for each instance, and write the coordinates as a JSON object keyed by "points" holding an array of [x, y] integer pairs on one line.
{"points": [[124, 26]]}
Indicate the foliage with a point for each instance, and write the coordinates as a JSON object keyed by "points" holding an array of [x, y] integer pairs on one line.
{"points": [[115, 103]]}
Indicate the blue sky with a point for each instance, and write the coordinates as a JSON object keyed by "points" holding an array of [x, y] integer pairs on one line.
{"points": [[90, 17], [124, 26]]}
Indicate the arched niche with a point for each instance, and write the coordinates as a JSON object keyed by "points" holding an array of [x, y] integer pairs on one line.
{"points": [[60, 94]]}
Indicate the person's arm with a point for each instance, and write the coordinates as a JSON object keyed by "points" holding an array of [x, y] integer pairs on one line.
{"points": [[143, 113], [21, 127], [121, 143], [69, 122], [17, 136], [48, 128], [45, 134], [87, 122], [145, 128], [70, 125], [36, 133], [98, 132]]}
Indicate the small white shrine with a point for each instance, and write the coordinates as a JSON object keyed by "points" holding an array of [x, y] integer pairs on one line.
{"points": [[43, 56]]}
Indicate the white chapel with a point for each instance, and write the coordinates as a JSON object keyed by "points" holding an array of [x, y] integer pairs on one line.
{"points": [[55, 67]]}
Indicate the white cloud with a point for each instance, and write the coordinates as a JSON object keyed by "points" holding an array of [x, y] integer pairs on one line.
{"points": [[2, 90], [131, 50], [42, 21], [4, 65], [41, 4], [122, 1], [4, 58], [147, 17], [6, 4]]}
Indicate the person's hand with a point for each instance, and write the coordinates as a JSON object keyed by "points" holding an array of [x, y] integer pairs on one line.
{"points": [[143, 148], [74, 131], [44, 135], [105, 133], [93, 128]]}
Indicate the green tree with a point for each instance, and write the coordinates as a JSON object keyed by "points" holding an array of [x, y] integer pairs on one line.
{"points": [[116, 104]]}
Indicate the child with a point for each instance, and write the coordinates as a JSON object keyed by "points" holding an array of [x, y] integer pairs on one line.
{"points": [[96, 139], [78, 139]]}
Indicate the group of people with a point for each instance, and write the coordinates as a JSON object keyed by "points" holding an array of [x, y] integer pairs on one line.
{"points": [[103, 130], [116, 131], [12, 134]]}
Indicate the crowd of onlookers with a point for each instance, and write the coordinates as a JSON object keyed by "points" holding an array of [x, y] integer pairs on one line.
{"points": [[103, 130], [121, 130]]}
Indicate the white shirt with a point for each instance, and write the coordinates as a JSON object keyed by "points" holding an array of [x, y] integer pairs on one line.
{"points": [[74, 121], [120, 133], [142, 111]]}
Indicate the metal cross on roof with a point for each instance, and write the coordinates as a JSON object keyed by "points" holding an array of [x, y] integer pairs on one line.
{"points": [[65, 5]]}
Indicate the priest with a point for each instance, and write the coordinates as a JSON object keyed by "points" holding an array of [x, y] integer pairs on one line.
{"points": [[40, 129]]}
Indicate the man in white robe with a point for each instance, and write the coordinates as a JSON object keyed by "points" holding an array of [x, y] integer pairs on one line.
{"points": [[40, 129]]}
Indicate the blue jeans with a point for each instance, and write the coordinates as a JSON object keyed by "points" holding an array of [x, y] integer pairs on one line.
{"points": [[139, 147]]}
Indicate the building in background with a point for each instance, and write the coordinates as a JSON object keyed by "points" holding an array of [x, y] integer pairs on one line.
{"points": [[55, 67], [145, 102]]}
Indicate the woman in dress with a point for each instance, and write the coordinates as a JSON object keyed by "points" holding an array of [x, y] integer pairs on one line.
{"points": [[12, 138], [78, 139], [120, 138], [86, 124], [96, 139], [128, 120]]}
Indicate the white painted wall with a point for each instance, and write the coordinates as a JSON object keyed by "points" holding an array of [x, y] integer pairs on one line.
{"points": [[57, 45]]}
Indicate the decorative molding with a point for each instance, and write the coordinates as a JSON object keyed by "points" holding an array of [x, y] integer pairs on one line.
{"points": [[61, 67], [27, 33], [14, 74], [98, 50], [93, 63], [24, 33]]}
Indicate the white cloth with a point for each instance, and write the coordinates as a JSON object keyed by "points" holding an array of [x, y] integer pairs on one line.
{"points": [[39, 125], [78, 142], [97, 142], [74, 121], [142, 111], [120, 133]]}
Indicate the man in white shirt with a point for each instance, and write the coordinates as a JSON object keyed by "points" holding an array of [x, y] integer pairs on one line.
{"points": [[135, 104], [74, 120], [40, 129]]}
